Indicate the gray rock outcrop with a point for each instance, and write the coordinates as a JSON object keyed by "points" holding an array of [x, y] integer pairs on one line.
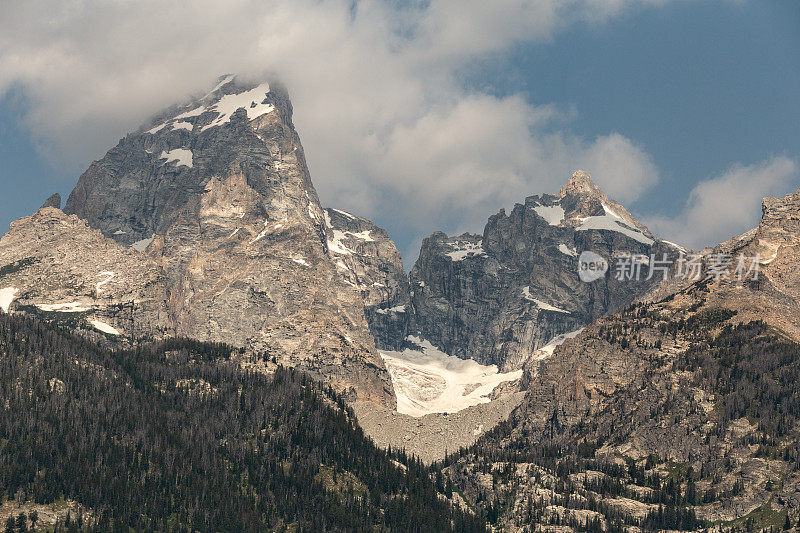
{"points": [[688, 383], [56, 265]]}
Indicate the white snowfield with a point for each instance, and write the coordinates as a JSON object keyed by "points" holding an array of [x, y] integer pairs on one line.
{"points": [[345, 213], [430, 381], [108, 276], [462, 250], [395, 309], [674, 245], [181, 156], [365, 235], [526, 293], [7, 296], [251, 101], [65, 307], [158, 128], [612, 222], [105, 328], [182, 125], [335, 236], [196, 112], [553, 214]]}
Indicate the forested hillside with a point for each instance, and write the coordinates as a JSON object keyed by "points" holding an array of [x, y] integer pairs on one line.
{"points": [[704, 432], [176, 436]]}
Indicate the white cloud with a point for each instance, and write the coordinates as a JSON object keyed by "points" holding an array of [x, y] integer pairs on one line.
{"points": [[385, 123], [622, 168], [729, 204]]}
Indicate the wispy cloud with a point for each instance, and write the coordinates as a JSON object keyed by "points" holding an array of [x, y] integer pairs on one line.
{"points": [[728, 205]]}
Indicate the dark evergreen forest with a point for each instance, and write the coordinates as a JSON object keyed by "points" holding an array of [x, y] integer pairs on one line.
{"points": [[176, 436]]}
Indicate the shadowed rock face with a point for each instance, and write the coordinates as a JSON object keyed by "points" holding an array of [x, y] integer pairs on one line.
{"points": [[54, 200], [500, 296], [216, 195]]}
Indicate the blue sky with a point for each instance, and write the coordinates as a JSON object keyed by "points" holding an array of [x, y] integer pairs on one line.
{"points": [[699, 85], [697, 99]]}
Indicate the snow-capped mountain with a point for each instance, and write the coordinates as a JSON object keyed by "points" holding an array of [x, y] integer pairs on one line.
{"points": [[204, 223], [501, 296]]}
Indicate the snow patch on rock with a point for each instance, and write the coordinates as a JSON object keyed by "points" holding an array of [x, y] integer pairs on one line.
{"points": [[465, 249], [158, 128], [553, 214], [335, 243], [65, 307], [345, 213], [181, 156], [674, 245], [196, 112], [395, 309], [141, 246], [182, 125], [610, 221], [252, 101], [566, 250], [108, 277], [105, 328], [526, 293], [7, 296], [547, 350]]}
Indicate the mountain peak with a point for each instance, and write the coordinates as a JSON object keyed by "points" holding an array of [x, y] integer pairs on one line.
{"points": [[579, 184]]}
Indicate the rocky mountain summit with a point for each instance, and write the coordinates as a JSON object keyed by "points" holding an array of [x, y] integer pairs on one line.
{"points": [[501, 296], [604, 391], [205, 224]]}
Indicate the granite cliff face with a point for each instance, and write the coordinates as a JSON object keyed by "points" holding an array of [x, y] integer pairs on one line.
{"points": [[369, 261], [500, 296], [56, 265], [140, 186], [214, 200]]}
